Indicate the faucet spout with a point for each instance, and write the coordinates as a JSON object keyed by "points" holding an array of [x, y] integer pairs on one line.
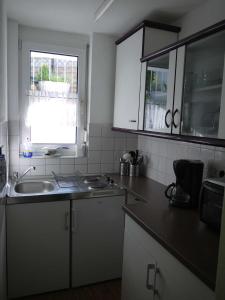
{"points": [[24, 173]]}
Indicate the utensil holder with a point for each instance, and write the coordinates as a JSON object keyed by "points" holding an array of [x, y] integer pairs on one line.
{"points": [[124, 168], [134, 170]]}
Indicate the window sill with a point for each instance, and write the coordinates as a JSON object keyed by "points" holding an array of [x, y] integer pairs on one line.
{"points": [[53, 156]]}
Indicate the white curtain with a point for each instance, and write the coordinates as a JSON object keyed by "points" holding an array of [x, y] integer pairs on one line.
{"points": [[52, 119]]}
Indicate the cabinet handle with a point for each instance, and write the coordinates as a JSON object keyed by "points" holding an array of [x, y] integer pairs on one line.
{"points": [[74, 221], [132, 121], [67, 221], [149, 268], [175, 112], [155, 291], [166, 115]]}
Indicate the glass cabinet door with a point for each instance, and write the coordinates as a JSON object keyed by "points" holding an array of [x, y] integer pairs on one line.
{"points": [[159, 88], [203, 110]]}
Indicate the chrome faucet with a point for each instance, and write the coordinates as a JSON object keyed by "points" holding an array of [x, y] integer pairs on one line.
{"points": [[19, 178]]}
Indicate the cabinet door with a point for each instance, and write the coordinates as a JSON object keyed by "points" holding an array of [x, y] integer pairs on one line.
{"points": [[159, 93], [170, 279], [203, 108], [138, 269], [37, 248], [127, 85], [174, 280], [97, 239]]}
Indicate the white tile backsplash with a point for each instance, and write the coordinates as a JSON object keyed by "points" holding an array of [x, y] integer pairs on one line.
{"points": [[67, 161], [107, 143], [106, 157], [120, 144], [95, 143], [105, 148], [107, 168], [159, 155], [81, 168], [94, 168], [107, 132], [94, 157], [39, 171], [67, 169], [51, 168]]}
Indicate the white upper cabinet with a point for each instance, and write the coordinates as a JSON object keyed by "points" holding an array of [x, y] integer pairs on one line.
{"points": [[127, 86], [183, 88], [130, 50]]}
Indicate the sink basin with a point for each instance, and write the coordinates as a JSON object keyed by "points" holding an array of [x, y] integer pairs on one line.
{"points": [[32, 187]]}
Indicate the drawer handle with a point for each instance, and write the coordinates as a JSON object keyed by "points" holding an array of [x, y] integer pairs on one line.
{"points": [[132, 121], [149, 268], [152, 286]]}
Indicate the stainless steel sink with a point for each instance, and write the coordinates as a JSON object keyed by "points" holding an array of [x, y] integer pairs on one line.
{"points": [[33, 187]]}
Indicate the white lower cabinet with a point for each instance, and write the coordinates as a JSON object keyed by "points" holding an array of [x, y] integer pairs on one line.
{"points": [[97, 239], [38, 247], [151, 272]]}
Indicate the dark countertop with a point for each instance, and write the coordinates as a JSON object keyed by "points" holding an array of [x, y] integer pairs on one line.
{"points": [[178, 230]]}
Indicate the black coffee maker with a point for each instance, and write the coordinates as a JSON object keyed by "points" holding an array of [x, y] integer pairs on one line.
{"points": [[185, 192]]}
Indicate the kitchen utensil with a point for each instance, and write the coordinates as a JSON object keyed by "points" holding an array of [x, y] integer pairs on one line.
{"points": [[126, 157]]}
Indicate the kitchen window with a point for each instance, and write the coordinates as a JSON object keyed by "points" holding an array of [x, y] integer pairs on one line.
{"points": [[53, 110]]}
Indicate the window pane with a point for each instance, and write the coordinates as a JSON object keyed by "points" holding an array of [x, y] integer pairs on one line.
{"points": [[52, 107], [156, 93], [52, 120]]}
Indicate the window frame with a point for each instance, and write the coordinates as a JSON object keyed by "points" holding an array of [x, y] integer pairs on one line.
{"points": [[24, 87]]}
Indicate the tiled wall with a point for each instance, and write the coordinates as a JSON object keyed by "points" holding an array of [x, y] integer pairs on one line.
{"points": [[104, 150], [159, 155]]}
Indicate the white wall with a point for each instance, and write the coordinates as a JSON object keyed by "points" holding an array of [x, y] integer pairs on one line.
{"points": [[3, 137], [207, 14], [13, 70], [101, 78], [38, 35]]}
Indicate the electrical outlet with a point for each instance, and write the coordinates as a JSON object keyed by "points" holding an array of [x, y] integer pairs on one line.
{"points": [[216, 169]]}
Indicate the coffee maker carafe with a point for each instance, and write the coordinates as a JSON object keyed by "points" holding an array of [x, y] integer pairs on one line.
{"points": [[185, 192]]}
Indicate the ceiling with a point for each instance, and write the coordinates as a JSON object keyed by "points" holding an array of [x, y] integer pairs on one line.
{"points": [[78, 15]]}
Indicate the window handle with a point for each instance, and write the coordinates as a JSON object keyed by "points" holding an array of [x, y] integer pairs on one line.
{"points": [[132, 121]]}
